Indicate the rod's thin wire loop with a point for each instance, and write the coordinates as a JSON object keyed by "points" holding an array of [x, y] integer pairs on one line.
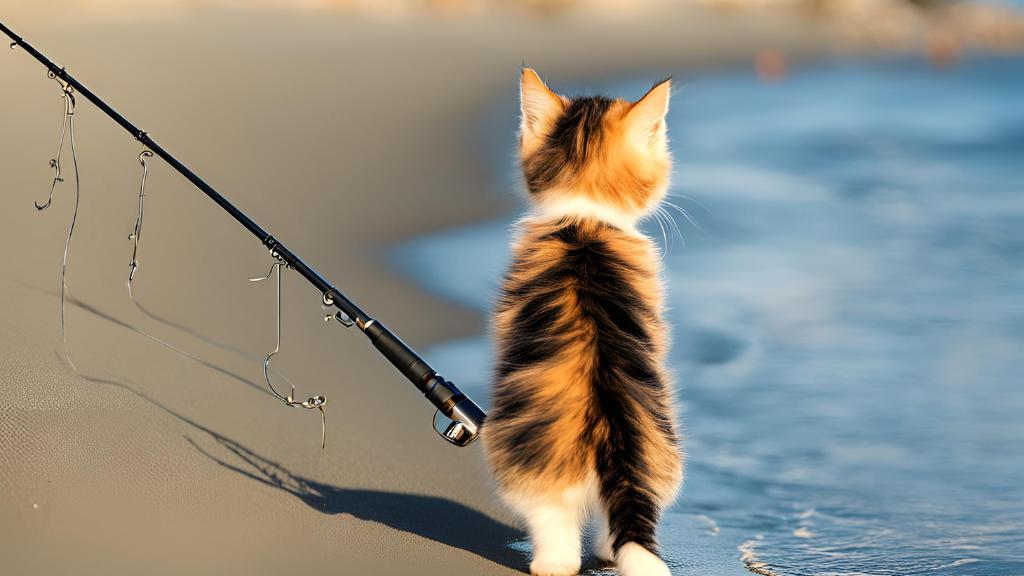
{"points": [[275, 267], [136, 236], [65, 292], [69, 122], [287, 258], [137, 232], [68, 134], [313, 402], [67, 93]]}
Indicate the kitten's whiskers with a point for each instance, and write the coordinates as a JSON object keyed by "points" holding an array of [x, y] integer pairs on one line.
{"points": [[685, 215]]}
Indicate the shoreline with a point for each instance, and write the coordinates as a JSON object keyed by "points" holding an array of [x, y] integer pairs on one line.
{"points": [[168, 466]]}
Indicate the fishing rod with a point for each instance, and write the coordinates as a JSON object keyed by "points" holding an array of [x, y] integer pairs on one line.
{"points": [[465, 417]]}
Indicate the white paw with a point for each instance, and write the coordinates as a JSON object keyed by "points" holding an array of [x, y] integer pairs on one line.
{"points": [[550, 566], [635, 560]]}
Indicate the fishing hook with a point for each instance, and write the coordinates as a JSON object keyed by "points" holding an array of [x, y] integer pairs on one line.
{"points": [[67, 128], [134, 236], [314, 402], [67, 92]]}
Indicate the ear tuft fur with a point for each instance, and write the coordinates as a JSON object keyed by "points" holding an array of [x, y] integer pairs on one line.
{"points": [[646, 119], [538, 106]]}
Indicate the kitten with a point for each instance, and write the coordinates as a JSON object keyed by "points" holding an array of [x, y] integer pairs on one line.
{"points": [[583, 422]]}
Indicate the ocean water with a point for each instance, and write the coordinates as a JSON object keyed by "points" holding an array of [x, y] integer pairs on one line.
{"points": [[849, 325]]}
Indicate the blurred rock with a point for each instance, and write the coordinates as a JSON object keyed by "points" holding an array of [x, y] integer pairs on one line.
{"points": [[771, 65], [940, 28]]}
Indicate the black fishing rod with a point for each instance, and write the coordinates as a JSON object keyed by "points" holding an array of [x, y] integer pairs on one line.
{"points": [[466, 417]]}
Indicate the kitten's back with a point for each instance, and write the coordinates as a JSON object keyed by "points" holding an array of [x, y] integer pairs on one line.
{"points": [[582, 422], [580, 347]]}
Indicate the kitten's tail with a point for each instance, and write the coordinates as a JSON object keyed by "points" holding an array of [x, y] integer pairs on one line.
{"points": [[640, 468]]}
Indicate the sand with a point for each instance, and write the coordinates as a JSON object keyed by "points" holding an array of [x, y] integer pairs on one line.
{"points": [[342, 136]]}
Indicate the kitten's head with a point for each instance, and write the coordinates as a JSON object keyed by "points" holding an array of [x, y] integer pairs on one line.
{"points": [[593, 156]]}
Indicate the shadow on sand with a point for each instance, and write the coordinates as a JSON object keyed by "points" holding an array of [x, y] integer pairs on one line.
{"points": [[442, 520]]}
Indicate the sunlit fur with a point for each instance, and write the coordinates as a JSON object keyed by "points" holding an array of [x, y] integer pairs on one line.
{"points": [[583, 424]]}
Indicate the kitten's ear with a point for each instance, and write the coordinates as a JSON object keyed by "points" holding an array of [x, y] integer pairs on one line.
{"points": [[645, 121], [538, 106]]}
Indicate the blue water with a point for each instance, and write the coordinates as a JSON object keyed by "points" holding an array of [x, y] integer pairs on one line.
{"points": [[849, 336]]}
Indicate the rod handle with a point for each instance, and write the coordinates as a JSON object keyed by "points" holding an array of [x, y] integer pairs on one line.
{"points": [[467, 417], [401, 356]]}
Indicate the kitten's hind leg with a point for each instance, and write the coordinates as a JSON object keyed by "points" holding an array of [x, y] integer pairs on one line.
{"points": [[555, 533], [554, 522]]}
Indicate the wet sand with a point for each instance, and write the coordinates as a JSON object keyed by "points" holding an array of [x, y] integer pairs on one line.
{"points": [[342, 136]]}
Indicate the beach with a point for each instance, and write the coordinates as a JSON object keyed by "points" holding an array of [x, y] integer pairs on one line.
{"points": [[372, 145], [341, 135], [844, 289]]}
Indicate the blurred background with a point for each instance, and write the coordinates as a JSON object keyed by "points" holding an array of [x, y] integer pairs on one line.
{"points": [[844, 256]]}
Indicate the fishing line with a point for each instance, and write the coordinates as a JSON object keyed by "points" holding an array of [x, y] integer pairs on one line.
{"points": [[67, 129], [69, 107], [70, 99], [457, 418], [135, 236], [314, 402], [68, 132], [137, 233]]}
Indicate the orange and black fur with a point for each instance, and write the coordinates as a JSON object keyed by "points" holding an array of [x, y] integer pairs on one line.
{"points": [[583, 423]]}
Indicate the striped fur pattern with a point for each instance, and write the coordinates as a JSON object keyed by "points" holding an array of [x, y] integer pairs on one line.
{"points": [[583, 424]]}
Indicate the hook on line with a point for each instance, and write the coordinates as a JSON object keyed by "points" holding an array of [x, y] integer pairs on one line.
{"points": [[67, 130], [137, 233], [313, 402], [67, 92]]}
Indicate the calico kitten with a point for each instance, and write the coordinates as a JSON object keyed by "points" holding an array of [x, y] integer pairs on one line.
{"points": [[583, 423]]}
